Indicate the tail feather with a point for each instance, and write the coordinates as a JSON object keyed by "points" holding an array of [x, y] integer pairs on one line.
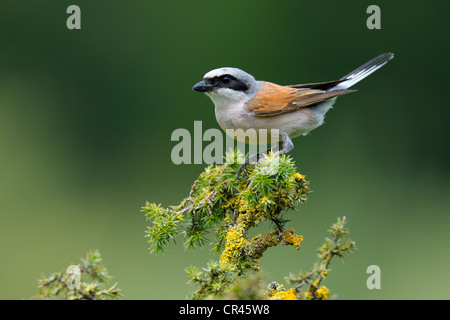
{"points": [[363, 71]]}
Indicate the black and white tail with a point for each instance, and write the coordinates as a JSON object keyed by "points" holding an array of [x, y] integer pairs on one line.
{"points": [[363, 71]]}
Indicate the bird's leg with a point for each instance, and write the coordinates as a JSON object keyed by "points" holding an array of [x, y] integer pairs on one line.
{"points": [[286, 143], [284, 146]]}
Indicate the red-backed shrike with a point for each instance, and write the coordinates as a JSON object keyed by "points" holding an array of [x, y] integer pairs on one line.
{"points": [[241, 102]]}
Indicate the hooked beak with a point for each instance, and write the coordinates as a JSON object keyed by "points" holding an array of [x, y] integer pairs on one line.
{"points": [[202, 86]]}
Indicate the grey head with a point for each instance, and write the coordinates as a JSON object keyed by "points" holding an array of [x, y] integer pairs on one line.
{"points": [[227, 83]]}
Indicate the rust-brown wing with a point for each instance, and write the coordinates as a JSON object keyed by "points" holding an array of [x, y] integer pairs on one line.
{"points": [[274, 99]]}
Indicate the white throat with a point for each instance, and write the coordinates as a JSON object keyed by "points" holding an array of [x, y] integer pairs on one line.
{"points": [[223, 100]]}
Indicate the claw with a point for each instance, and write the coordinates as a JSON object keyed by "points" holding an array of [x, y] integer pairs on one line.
{"points": [[241, 168]]}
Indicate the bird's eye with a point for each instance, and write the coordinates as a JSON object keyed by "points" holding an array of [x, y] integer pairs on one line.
{"points": [[225, 79]]}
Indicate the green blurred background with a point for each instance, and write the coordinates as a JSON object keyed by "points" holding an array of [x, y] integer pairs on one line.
{"points": [[86, 118]]}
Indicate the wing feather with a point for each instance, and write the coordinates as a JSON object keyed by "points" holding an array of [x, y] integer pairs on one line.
{"points": [[274, 99], [319, 85]]}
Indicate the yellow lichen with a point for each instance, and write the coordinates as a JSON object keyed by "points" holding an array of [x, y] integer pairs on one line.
{"points": [[298, 177], [322, 293], [306, 296], [89, 288], [292, 239], [236, 241], [261, 243], [290, 294]]}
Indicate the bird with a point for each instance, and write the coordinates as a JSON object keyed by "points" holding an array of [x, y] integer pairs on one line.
{"points": [[243, 104]]}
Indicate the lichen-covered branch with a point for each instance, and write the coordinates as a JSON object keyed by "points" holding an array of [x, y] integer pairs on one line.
{"points": [[227, 207], [335, 246], [84, 281], [220, 210]]}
